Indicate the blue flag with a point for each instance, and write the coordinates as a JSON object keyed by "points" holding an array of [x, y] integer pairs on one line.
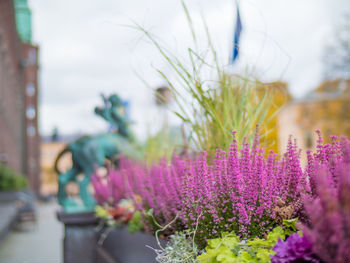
{"points": [[237, 34]]}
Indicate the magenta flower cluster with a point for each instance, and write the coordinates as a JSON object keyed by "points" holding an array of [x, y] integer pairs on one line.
{"points": [[239, 192], [328, 207], [109, 190], [244, 191], [158, 188]]}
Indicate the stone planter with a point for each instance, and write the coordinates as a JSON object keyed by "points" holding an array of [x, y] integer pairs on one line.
{"points": [[80, 237], [81, 243], [124, 247]]}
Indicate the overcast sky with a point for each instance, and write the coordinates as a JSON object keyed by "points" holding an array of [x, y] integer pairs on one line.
{"points": [[85, 50]]}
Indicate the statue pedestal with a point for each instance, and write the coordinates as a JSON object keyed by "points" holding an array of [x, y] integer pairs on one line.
{"points": [[80, 236]]}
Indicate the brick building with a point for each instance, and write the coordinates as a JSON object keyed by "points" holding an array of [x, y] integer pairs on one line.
{"points": [[30, 81], [19, 138]]}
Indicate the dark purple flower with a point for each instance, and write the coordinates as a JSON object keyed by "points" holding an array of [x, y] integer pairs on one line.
{"points": [[295, 249]]}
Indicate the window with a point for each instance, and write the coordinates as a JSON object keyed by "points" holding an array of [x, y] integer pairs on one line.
{"points": [[30, 112], [30, 89], [31, 130], [32, 57]]}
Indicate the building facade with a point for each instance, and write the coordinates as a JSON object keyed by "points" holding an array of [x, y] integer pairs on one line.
{"points": [[19, 137], [30, 81], [12, 97], [327, 109]]}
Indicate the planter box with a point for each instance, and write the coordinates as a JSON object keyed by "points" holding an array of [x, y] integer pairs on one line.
{"points": [[80, 237], [123, 247], [81, 242]]}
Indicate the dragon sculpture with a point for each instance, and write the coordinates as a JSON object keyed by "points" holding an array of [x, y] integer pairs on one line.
{"points": [[90, 152]]}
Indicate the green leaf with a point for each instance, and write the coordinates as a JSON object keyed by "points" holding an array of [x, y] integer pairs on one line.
{"points": [[150, 212], [291, 223], [263, 255], [102, 213], [134, 224]]}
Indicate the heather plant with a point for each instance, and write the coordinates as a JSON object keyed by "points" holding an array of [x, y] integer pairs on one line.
{"points": [[328, 205], [242, 191], [329, 155], [156, 191], [109, 190]]}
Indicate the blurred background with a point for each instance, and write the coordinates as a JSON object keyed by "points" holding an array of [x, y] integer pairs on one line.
{"points": [[58, 57]]}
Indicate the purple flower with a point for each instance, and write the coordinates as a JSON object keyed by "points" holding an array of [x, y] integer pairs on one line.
{"points": [[295, 248], [246, 192], [328, 206]]}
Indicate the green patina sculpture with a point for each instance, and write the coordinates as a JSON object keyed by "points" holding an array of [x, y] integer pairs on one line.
{"points": [[90, 152]]}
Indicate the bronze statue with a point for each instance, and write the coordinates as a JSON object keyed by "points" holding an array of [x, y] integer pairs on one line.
{"points": [[90, 152]]}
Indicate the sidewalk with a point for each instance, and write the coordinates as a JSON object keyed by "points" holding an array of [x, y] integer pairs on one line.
{"points": [[38, 243]]}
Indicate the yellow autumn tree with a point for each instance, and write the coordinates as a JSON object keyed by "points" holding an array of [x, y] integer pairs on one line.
{"points": [[328, 109]]}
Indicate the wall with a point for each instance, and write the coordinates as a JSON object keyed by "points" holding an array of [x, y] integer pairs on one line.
{"points": [[12, 132]]}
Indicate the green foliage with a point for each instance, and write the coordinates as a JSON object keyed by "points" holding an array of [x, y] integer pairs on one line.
{"points": [[135, 224], [162, 145], [102, 213], [10, 180], [180, 249], [291, 225], [231, 249]]}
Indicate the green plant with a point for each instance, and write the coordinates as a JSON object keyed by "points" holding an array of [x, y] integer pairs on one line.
{"points": [[10, 180], [180, 249], [135, 224], [212, 109], [230, 248]]}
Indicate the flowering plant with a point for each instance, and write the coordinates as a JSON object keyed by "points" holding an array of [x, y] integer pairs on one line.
{"points": [[328, 206], [295, 248], [242, 191], [245, 193], [122, 213], [109, 190]]}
